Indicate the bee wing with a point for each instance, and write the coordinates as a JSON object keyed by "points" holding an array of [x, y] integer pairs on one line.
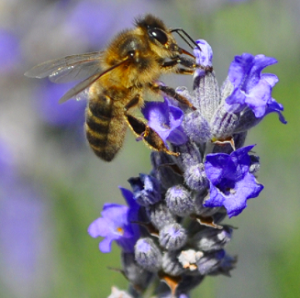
{"points": [[80, 87], [89, 81], [70, 68]]}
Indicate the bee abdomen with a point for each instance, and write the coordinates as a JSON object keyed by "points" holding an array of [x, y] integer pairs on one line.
{"points": [[105, 132]]}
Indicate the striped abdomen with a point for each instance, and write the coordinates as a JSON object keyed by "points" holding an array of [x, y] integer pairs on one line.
{"points": [[105, 126]]}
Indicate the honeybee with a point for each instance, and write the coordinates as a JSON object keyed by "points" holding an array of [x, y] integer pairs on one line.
{"points": [[117, 79]]}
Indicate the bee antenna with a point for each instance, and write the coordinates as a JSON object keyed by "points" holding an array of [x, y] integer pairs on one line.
{"points": [[179, 31]]}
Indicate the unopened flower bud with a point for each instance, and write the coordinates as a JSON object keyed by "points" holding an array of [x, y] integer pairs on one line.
{"points": [[197, 127], [195, 177], [226, 265], [188, 283], [207, 93], [206, 87], [147, 254], [160, 215], [163, 171], [170, 263], [138, 276], [199, 209], [210, 239], [189, 155], [179, 200], [210, 262], [223, 123], [172, 236]]}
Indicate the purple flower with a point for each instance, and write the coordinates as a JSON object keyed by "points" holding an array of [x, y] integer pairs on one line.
{"points": [[276, 107], [252, 89], [69, 113], [10, 53], [146, 189], [22, 214], [231, 184], [166, 120], [92, 20], [7, 165], [203, 57], [115, 224]]}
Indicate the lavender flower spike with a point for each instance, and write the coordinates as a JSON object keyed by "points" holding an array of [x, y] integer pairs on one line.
{"points": [[172, 233]]}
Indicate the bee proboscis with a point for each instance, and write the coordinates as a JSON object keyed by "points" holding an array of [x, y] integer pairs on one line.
{"points": [[117, 79]]}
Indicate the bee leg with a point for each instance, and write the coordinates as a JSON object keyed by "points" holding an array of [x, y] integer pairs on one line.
{"points": [[134, 102], [190, 63], [172, 66], [185, 71], [142, 130], [169, 91]]}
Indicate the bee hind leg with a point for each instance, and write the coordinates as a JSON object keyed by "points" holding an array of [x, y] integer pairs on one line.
{"points": [[146, 133]]}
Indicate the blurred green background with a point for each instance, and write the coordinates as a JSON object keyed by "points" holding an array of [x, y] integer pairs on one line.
{"points": [[52, 186]]}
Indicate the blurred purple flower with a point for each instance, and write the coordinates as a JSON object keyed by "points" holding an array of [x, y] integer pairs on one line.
{"points": [[115, 225], [22, 213], [10, 52], [7, 167], [21, 216], [52, 112], [231, 184], [93, 20]]}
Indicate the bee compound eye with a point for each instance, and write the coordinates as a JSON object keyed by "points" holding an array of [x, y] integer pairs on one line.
{"points": [[159, 35]]}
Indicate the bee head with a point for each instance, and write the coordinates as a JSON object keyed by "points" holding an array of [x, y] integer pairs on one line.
{"points": [[164, 44]]}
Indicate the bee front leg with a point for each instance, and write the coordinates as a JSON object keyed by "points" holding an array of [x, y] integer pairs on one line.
{"points": [[190, 64], [172, 66], [169, 91]]}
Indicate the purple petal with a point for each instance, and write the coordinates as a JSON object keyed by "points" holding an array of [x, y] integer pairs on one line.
{"points": [[231, 184], [177, 137], [175, 116], [95, 230], [270, 78], [105, 245], [245, 189], [157, 114], [276, 107], [240, 67], [203, 57], [128, 196], [214, 166], [258, 98]]}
